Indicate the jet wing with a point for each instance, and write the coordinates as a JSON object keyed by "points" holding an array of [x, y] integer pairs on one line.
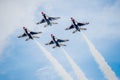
{"points": [[51, 42], [42, 21], [53, 18], [80, 24], [59, 40], [23, 35], [71, 27], [33, 33]]}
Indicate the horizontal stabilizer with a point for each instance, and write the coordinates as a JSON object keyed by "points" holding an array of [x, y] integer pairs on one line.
{"points": [[62, 45], [83, 28], [35, 37], [67, 29], [74, 31], [27, 39], [54, 46]]}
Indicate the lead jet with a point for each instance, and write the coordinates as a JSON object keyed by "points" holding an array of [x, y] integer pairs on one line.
{"points": [[56, 41], [76, 25], [29, 34], [48, 20]]}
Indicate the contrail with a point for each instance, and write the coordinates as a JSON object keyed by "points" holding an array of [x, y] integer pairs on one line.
{"points": [[104, 67], [55, 63], [75, 67]]}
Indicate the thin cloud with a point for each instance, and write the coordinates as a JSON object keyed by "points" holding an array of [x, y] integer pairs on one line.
{"points": [[15, 14]]}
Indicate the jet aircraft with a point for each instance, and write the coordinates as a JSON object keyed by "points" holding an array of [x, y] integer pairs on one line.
{"points": [[48, 20], [76, 25], [56, 41], [28, 34]]}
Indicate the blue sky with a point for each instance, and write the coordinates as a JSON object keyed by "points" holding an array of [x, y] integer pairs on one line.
{"points": [[21, 60]]}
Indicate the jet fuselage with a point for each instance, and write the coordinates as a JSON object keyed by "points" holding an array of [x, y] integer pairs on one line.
{"points": [[27, 33], [75, 25], [47, 20], [57, 44]]}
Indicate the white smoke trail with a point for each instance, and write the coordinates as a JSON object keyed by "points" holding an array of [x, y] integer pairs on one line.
{"points": [[55, 63], [75, 67], [104, 67], [42, 69]]}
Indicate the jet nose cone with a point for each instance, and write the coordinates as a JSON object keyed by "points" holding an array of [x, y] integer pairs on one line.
{"points": [[42, 12], [51, 35], [71, 18], [23, 27]]}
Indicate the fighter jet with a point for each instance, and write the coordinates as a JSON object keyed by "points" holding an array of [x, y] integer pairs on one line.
{"points": [[48, 20], [76, 25], [29, 34], [56, 41]]}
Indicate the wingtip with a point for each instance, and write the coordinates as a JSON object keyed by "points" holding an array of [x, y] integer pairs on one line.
{"points": [[66, 28], [59, 17], [73, 32], [67, 40], [53, 47], [87, 23], [46, 44], [37, 23], [65, 45], [18, 36], [39, 32]]}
